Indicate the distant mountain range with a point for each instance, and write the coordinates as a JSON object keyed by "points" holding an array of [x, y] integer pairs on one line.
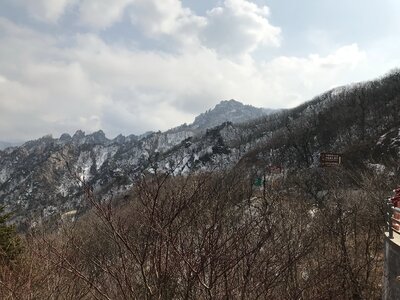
{"points": [[35, 181], [361, 121], [4, 145]]}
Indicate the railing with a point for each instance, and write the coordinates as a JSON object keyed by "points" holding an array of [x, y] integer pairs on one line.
{"points": [[392, 219]]}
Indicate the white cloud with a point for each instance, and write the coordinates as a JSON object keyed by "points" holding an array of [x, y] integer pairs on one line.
{"points": [[91, 84], [41, 91], [298, 79], [102, 13], [167, 18], [239, 26], [45, 10], [98, 14], [236, 27]]}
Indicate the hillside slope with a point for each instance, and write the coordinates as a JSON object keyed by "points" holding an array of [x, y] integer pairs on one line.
{"points": [[38, 179]]}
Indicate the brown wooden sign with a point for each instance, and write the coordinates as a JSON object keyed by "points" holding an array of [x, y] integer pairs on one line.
{"points": [[274, 169], [330, 159]]}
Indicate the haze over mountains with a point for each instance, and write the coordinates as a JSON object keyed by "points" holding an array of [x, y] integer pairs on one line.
{"points": [[227, 110], [38, 180], [4, 145]]}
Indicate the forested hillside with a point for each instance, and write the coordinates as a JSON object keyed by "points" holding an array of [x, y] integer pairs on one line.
{"points": [[213, 236], [353, 120]]}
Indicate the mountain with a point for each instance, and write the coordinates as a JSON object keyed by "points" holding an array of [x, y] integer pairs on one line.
{"points": [[360, 120], [42, 179], [228, 111]]}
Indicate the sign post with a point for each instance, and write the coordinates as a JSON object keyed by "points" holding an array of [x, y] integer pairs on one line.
{"points": [[330, 159]]}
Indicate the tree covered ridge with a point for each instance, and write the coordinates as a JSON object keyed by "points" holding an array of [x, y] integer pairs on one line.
{"points": [[349, 119], [216, 236], [10, 246]]}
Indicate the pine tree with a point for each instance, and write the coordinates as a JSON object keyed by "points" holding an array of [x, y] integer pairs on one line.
{"points": [[10, 245]]}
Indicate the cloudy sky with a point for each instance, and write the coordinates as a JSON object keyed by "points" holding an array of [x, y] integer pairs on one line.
{"points": [[129, 66]]}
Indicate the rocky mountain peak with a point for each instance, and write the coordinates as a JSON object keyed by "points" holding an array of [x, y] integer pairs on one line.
{"points": [[97, 137], [229, 102], [120, 139], [65, 137], [79, 134], [228, 111]]}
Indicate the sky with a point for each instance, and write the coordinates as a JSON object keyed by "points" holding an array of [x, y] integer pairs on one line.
{"points": [[131, 66]]}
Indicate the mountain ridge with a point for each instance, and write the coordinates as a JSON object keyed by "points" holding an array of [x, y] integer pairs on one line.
{"points": [[36, 183]]}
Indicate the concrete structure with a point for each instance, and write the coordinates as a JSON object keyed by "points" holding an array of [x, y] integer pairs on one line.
{"points": [[392, 267], [392, 249]]}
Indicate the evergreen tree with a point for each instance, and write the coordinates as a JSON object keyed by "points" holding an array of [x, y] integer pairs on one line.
{"points": [[9, 242]]}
